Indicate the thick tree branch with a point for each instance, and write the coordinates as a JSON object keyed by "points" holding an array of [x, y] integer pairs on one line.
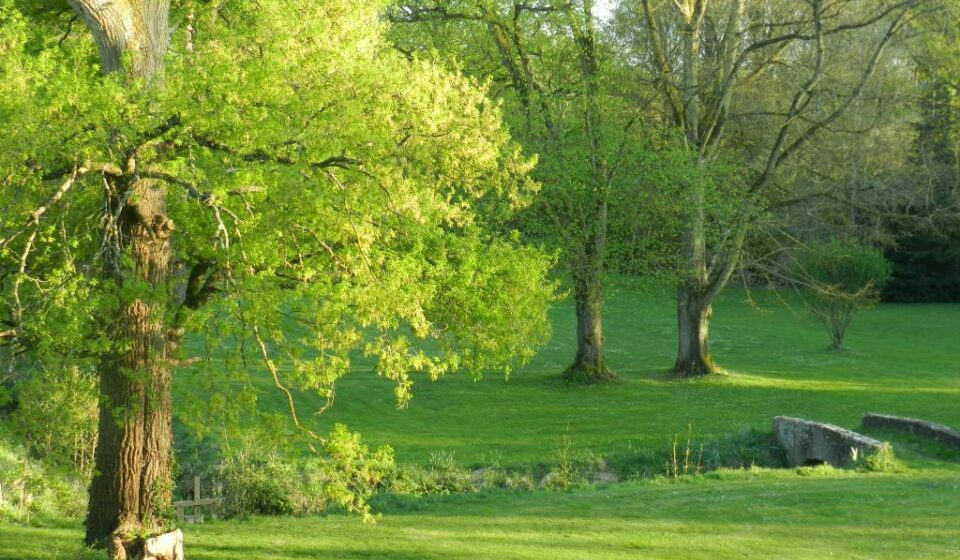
{"points": [[261, 156], [663, 68]]}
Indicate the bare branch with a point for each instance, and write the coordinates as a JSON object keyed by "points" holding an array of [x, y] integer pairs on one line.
{"points": [[272, 368], [905, 4], [662, 65], [801, 99], [34, 218], [853, 96]]}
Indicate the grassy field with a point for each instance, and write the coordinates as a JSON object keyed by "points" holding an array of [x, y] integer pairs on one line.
{"points": [[901, 360], [734, 515]]}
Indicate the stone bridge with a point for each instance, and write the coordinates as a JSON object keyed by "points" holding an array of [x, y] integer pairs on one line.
{"points": [[815, 443], [922, 428]]}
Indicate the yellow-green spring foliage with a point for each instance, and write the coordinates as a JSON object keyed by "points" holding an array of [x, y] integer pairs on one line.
{"points": [[334, 194]]}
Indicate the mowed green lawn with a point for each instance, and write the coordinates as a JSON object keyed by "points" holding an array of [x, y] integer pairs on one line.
{"points": [[902, 360], [735, 515]]}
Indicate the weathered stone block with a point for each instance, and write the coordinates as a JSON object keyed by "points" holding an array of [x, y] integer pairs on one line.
{"points": [[168, 546], [939, 432], [808, 442]]}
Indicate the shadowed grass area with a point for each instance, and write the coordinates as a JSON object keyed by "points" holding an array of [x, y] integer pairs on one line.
{"points": [[728, 514]]}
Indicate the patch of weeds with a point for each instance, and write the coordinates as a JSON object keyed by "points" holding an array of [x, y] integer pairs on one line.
{"points": [[564, 475], [815, 471], [747, 448], [575, 468], [519, 482], [741, 450], [442, 475], [682, 463], [256, 481], [881, 461]]}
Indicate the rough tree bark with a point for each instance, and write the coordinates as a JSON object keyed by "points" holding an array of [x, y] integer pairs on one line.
{"points": [[589, 365], [693, 321], [131, 488], [131, 32]]}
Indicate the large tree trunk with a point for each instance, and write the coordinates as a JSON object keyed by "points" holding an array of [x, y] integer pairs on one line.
{"points": [[693, 322], [589, 365], [131, 490], [132, 35]]}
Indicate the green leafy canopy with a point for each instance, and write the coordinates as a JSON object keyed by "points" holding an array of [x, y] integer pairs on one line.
{"points": [[326, 190]]}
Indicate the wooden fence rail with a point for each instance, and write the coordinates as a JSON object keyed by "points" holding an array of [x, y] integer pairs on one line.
{"points": [[195, 505]]}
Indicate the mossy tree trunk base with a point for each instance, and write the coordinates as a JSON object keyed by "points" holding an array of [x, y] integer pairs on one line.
{"points": [[693, 322], [589, 366], [696, 368], [578, 375]]}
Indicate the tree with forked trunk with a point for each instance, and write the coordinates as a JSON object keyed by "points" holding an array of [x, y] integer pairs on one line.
{"points": [[230, 181], [714, 66]]}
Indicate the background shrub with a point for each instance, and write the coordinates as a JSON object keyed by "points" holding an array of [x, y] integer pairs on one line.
{"points": [[56, 417], [259, 482], [29, 488], [839, 280]]}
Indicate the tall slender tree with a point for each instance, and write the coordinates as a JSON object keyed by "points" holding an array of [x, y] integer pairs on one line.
{"points": [[548, 62]]}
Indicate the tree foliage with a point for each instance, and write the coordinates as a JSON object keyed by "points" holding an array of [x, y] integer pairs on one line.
{"points": [[560, 77], [325, 197], [926, 231]]}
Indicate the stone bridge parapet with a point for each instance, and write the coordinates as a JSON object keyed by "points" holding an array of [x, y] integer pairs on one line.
{"points": [[923, 428]]}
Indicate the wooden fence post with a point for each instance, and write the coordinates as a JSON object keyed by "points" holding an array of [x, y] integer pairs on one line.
{"points": [[195, 504]]}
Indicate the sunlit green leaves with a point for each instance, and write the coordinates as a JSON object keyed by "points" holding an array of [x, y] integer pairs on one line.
{"points": [[328, 186]]}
